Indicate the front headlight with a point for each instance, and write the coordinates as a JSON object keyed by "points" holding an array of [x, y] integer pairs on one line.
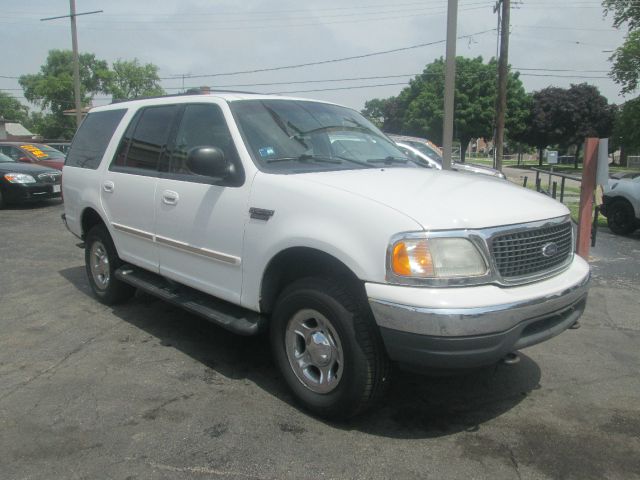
{"points": [[435, 258], [19, 178]]}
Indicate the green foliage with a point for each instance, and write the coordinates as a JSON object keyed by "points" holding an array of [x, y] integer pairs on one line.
{"points": [[130, 79], [626, 59], [623, 11], [419, 108], [627, 126], [11, 109], [52, 88], [561, 116], [625, 70]]}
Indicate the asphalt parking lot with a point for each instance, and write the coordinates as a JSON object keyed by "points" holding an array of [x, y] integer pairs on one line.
{"points": [[144, 390]]}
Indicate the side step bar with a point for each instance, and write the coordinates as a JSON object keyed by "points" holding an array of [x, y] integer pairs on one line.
{"points": [[227, 315]]}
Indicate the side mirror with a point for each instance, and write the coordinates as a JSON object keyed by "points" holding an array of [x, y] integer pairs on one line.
{"points": [[24, 160], [208, 162]]}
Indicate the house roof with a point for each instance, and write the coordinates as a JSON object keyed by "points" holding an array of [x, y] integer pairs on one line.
{"points": [[17, 130]]}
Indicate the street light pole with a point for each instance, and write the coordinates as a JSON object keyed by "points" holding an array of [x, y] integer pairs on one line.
{"points": [[449, 84]]}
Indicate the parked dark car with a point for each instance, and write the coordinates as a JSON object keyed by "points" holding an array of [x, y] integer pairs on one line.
{"points": [[36, 153], [24, 182]]}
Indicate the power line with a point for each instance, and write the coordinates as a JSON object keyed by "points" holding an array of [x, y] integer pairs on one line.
{"points": [[324, 62]]}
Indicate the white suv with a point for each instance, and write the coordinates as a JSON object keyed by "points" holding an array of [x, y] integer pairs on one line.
{"points": [[301, 218]]}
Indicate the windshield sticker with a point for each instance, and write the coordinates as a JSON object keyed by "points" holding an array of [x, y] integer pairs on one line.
{"points": [[266, 152], [34, 150]]}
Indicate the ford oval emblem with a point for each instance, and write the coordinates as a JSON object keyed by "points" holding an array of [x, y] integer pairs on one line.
{"points": [[550, 249]]}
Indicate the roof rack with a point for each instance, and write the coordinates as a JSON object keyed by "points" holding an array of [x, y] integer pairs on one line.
{"points": [[191, 91]]}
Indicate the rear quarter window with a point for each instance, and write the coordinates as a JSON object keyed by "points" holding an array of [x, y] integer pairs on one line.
{"points": [[92, 138]]}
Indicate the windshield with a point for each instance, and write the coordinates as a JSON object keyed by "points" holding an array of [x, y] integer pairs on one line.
{"points": [[42, 152], [6, 159], [428, 151], [295, 136]]}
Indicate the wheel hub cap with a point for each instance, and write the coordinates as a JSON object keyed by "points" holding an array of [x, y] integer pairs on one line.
{"points": [[314, 351], [99, 265]]}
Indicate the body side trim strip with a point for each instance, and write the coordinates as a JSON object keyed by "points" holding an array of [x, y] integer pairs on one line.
{"points": [[205, 252], [133, 231]]}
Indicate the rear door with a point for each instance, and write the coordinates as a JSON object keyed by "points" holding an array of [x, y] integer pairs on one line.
{"points": [[128, 189], [200, 220]]}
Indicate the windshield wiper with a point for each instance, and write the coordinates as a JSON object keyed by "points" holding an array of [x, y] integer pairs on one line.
{"points": [[305, 157], [388, 160]]}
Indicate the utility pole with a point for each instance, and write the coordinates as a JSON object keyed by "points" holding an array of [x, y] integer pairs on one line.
{"points": [[503, 65], [76, 61], [449, 84]]}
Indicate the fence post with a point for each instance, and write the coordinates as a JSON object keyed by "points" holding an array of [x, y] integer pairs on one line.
{"points": [[587, 187], [553, 191], [537, 184], [524, 182], [562, 189]]}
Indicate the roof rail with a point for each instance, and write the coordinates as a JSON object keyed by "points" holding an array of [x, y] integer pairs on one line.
{"points": [[191, 91]]}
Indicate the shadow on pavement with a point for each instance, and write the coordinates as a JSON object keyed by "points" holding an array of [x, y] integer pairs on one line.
{"points": [[416, 407]]}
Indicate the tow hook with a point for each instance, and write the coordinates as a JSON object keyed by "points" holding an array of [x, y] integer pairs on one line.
{"points": [[575, 325], [511, 358]]}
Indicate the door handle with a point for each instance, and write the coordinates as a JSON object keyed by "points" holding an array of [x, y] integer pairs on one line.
{"points": [[170, 197], [108, 186]]}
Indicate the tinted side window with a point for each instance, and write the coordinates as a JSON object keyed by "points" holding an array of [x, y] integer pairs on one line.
{"points": [[201, 125], [92, 138], [121, 154], [149, 138], [12, 152]]}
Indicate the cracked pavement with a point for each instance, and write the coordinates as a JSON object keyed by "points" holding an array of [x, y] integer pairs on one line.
{"points": [[145, 390]]}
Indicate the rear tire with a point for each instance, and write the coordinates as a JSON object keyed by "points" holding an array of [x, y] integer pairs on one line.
{"points": [[1, 201], [101, 262], [327, 346], [621, 217]]}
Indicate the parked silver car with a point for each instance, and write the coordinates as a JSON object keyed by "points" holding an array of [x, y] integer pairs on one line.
{"points": [[428, 155]]}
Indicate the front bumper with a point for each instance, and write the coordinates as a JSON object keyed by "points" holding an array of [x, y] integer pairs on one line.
{"points": [[475, 326], [32, 192]]}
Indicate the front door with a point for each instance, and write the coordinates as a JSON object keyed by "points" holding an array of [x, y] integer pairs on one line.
{"points": [[200, 220]]}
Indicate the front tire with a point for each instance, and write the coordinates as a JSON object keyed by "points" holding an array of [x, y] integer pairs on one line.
{"points": [[101, 262], [621, 218], [326, 344]]}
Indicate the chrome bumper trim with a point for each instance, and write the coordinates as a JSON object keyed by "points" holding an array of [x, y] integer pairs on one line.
{"points": [[462, 322]]}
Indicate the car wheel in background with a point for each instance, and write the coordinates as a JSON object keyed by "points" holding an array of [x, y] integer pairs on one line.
{"points": [[621, 217]]}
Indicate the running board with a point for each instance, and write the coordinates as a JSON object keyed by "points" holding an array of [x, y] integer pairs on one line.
{"points": [[227, 315]]}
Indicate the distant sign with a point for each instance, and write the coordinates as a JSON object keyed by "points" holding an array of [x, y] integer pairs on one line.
{"points": [[552, 157]]}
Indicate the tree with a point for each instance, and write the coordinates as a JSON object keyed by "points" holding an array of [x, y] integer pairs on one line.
{"points": [[566, 117], [626, 132], [626, 63], [419, 108], [12, 110], [545, 124], [129, 79], [52, 88], [626, 59]]}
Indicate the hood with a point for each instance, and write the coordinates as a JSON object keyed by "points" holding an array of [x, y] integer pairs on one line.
{"points": [[29, 168], [475, 168], [440, 200]]}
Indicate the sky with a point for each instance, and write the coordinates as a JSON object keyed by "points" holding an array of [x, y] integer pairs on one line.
{"points": [[198, 42]]}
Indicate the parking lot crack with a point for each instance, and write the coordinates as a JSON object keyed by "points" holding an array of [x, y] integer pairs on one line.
{"points": [[56, 365], [204, 471]]}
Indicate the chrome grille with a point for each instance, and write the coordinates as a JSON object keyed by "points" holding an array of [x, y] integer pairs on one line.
{"points": [[520, 254]]}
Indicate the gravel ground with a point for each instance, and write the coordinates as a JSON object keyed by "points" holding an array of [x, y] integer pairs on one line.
{"points": [[144, 390]]}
